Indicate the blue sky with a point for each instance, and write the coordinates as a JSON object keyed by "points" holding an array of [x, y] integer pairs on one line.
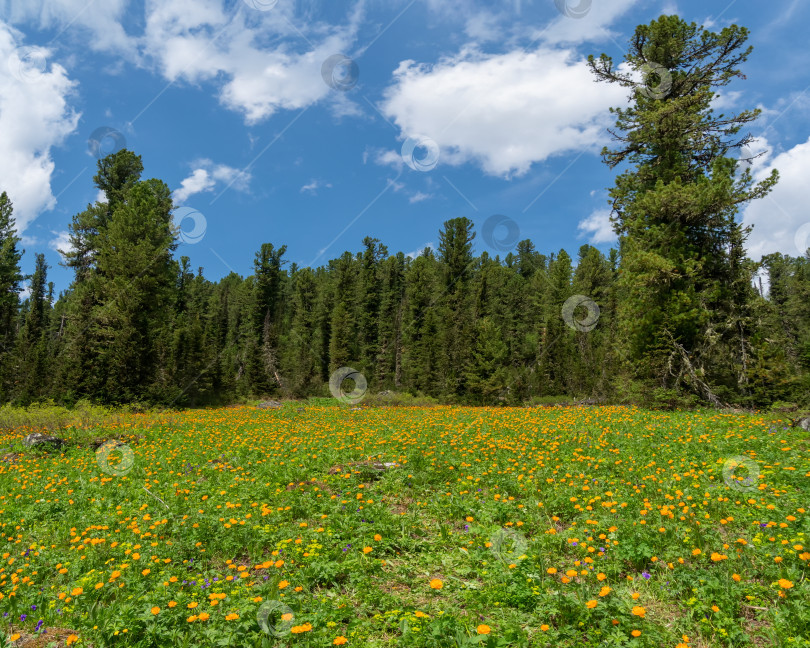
{"points": [[230, 103]]}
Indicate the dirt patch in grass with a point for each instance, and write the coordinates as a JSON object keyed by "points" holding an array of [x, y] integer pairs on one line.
{"points": [[52, 637]]}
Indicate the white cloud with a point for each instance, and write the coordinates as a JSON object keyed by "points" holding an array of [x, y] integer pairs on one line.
{"points": [[205, 177], [419, 197], [781, 220], [312, 187], [61, 241], [592, 27], [504, 112], [598, 227], [34, 117], [103, 19], [196, 41], [418, 252]]}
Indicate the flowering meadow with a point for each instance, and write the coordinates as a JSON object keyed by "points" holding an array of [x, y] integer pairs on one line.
{"points": [[326, 525]]}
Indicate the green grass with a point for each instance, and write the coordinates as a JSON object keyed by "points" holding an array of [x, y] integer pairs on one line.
{"points": [[643, 510]]}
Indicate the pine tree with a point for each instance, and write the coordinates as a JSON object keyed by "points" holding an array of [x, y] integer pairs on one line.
{"points": [[675, 207], [10, 278]]}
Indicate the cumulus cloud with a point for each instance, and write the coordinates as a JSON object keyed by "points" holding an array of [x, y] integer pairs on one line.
{"points": [[34, 117], [206, 175], [598, 227], [194, 40], [61, 241], [101, 20], [504, 112], [781, 220]]}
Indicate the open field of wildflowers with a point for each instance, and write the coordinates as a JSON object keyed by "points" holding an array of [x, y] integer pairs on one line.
{"points": [[326, 525]]}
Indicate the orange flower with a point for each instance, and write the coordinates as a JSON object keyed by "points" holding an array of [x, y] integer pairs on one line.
{"points": [[604, 591], [552, 570], [377, 537], [736, 577], [172, 603], [436, 584], [232, 617], [636, 633], [367, 550], [192, 605], [544, 627], [283, 584], [340, 640], [696, 552], [785, 584], [591, 604], [192, 618], [155, 610], [72, 639], [639, 611], [204, 616], [483, 629], [76, 591]]}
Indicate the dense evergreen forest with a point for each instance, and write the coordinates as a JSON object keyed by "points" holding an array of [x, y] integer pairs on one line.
{"points": [[671, 317]]}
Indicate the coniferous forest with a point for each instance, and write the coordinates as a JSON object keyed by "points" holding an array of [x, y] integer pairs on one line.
{"points": [[674, 316]]}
